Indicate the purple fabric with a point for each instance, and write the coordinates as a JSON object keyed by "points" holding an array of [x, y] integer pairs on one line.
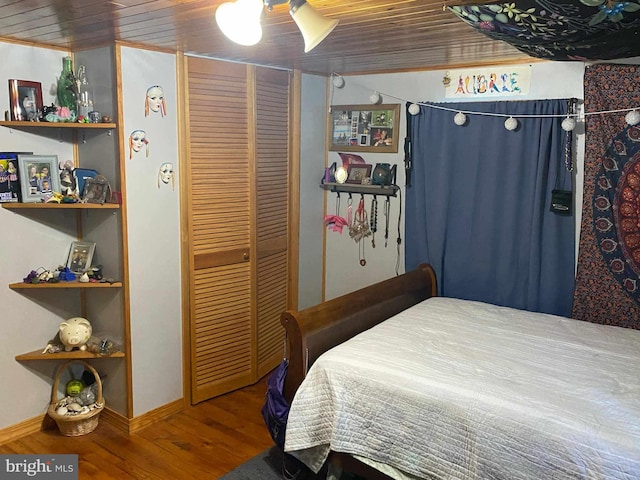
{"points": [[275, 410]]}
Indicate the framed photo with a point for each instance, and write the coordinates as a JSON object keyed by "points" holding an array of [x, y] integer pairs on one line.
{"points": [[38, 177], [25, 99], [358, 172], [364, 128], [96, 190], [80, 256]]}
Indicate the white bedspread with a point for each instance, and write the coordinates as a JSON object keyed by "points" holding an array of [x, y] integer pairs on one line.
{"points": [[452, 389]]}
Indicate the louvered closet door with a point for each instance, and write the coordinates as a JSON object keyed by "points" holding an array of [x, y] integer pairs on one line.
{"points": [[272, 192], [220, 228]]}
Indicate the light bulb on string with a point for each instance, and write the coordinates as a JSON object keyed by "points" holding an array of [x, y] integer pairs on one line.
{"points": [[511, 124], [568, 124], [337, 80], [460, 119], [375, 98], [633, 117], [414, 109]]}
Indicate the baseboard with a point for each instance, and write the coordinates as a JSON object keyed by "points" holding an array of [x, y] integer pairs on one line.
{"points": [[22, 429], [153, 416], [115, 419]]}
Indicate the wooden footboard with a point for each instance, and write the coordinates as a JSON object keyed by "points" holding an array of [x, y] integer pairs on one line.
{"points": [[313, 331]]}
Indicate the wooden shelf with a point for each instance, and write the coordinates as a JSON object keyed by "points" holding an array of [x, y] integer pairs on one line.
{"points": [[386, 190], [54, 206], [104, 126], [72, 284], [75, 354]]}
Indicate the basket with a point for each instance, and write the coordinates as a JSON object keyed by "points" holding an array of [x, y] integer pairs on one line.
{"points": [[81, 423]]}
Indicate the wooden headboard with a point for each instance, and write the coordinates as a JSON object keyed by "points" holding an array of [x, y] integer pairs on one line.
{"points": [[312, 331]]}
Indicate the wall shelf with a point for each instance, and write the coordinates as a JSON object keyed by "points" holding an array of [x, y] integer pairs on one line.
{"points": [[386, 190], [72, 284], [59, 206], [19, 124], [75, 354]]}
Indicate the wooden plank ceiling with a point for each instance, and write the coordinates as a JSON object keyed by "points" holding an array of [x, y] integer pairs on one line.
{"points": [[372, 36]]}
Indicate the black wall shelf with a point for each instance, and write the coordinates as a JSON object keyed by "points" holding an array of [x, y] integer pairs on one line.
{"points": [[386, 190]]}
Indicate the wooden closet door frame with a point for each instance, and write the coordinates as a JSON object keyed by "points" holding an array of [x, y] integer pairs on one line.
{"points": [[294, 202]]}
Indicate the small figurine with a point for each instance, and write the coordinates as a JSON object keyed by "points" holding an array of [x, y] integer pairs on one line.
{"points": [[46, 111], [75, 333]]}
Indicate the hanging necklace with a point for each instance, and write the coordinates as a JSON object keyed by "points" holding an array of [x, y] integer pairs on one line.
{"points": [[359, 229], [387, 207], [374, 220]]}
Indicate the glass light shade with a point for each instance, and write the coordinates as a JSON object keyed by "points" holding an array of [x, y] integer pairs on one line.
{"points": [[240, 21], [313, 26]]}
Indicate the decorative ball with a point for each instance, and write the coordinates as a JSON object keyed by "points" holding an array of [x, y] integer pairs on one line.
{"points": [[511, 123], [633, 117], [568, 124], [460, 119], [337, 81], [414, 109], [374, 98], [74, 387]]}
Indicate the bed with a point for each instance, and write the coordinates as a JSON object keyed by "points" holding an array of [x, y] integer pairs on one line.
{"points": [[392, 381]]}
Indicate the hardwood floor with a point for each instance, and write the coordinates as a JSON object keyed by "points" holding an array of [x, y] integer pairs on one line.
{"points": [[202, 442]]}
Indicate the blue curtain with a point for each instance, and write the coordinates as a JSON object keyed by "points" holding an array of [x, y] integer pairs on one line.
{"points": [[478, 207]]}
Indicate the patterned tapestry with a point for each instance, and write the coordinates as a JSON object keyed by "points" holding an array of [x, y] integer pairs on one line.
{"points": [[560, 29], [608, 275]]}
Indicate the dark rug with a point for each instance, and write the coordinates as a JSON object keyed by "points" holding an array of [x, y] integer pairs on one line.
{"points": [[272, 464]]}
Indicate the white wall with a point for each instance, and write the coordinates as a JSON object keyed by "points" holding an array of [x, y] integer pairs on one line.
{"points": [[30, 240], [153, 213], [343, 272], [312, 158], [34, 239]]}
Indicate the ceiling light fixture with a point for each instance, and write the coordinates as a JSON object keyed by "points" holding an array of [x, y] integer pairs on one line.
{"points": [[240, 21]]}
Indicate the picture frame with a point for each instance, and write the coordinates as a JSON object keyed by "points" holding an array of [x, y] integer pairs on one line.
{"points": [[96, 190], [364, 128], [357, 172], [38, 177], [80, 256], [25, 100]]}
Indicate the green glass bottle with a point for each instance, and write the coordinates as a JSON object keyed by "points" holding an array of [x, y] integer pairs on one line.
{"points": [[68, 89]]}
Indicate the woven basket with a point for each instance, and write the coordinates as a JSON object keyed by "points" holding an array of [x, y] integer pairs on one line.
{"points": [[82, 423]]}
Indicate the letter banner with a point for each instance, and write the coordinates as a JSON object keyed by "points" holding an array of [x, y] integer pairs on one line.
{"points": [[45, 466], [488, 82]]}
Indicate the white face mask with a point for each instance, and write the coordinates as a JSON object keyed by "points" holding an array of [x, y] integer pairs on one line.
{"points": [[166, 175], [138, 140], [155, 99]]}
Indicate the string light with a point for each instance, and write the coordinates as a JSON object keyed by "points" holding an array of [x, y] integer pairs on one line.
{"points": [[460, 119], [569, 123], [337, 80], [633, 117], [511, 124]]}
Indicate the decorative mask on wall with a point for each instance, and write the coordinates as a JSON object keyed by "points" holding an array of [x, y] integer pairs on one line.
{"points": [[154, 101], [166, 175], [137, 140]]}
